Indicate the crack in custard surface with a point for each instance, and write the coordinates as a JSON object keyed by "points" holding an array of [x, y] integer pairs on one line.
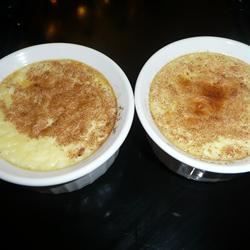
{"points": [[65, 100], [201, 103]]}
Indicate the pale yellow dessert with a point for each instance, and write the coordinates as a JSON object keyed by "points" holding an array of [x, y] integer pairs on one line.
{"points": [[54, 114], [201, 103]]}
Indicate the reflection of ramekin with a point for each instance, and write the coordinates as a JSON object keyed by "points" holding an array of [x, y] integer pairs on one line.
{"points": [[162, 147], [88, 170]]}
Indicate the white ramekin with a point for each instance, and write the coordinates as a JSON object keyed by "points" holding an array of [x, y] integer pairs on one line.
{"points": [[149, 70], [88, 170]]}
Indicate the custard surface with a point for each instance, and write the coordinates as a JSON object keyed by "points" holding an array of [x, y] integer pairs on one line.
{"points": [[54, 114], [201, 104]]}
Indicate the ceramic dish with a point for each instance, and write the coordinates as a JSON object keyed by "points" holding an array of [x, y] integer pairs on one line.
{"points": [[185, 165], [88, 170]]}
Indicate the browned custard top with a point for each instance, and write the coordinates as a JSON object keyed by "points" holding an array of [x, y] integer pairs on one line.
{"points": [[201, 103]]}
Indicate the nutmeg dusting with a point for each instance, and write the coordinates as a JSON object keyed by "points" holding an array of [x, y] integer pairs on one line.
{"points": [[63, 99], [199, 100]]}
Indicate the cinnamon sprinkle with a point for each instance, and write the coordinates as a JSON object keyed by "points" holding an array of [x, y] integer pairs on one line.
{"points": [[63, 99], [202, 97]]}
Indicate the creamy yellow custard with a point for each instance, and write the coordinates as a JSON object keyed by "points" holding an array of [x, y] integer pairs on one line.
{"points": [[54, 114], [201, 103]]}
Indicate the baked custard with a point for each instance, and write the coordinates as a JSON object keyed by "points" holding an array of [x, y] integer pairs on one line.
{"points": [[201, 104], [54, 114]]}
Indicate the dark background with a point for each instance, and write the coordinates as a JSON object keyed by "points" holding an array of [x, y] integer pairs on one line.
{"points": [[138, 203]]}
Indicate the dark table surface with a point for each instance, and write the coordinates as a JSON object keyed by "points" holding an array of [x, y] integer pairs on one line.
{"points": [[138, 203]]}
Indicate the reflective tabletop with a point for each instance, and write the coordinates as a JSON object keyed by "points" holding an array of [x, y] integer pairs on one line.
{"points": [[138, 203]]}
